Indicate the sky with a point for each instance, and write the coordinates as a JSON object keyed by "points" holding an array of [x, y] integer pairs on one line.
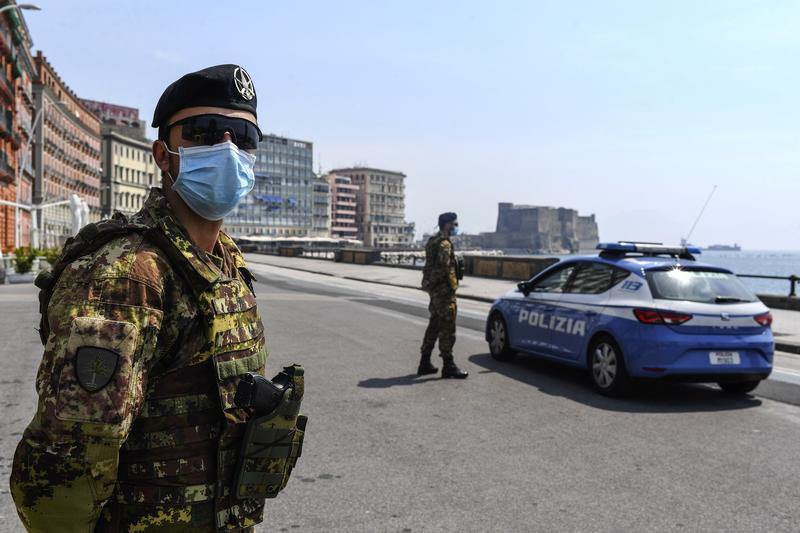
{"points": [[629, 110]]}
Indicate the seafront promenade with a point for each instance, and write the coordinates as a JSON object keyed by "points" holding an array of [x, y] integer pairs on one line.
{"points": [[519, 446], [786, 326], [478, 293]]}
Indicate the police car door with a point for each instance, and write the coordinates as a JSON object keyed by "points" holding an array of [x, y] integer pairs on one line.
{"points": [[538, 306], [579, 307]]}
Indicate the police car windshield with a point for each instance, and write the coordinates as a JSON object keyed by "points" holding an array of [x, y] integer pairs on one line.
{"points": [[697, 285]]}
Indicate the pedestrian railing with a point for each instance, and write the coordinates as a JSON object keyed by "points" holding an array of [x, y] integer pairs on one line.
{"points": [[416, 258], [791, 279], [318, 253], [413, 258]]}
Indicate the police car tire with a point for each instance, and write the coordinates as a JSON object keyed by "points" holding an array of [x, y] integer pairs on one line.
{"points": [[621, 382], [500, 351], [739, 387]]}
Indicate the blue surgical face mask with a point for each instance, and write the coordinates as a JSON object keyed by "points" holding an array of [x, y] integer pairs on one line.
{"points": [[454, 231], [212, 180]]}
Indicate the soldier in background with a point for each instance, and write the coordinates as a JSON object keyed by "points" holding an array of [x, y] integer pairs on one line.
{"points": [[150, 328], [440, 280]]}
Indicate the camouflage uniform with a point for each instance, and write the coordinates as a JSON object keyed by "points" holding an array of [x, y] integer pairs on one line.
{"points": [[135, 428], [440, 280]]}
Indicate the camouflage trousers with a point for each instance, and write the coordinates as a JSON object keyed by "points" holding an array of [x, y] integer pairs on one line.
{"points": [[442, 323]]}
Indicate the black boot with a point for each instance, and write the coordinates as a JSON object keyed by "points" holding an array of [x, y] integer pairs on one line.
{"points": [[425, 366], [450, 370]]}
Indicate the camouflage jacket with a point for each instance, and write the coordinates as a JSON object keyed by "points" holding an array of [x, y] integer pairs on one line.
{"points": [[128, 391], [439, 273]]}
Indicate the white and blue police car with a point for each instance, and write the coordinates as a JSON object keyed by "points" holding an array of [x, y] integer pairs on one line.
{"points": [[638, 311]]}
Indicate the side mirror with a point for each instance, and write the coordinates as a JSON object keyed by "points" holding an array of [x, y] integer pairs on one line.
{"points": [[524, 287]]}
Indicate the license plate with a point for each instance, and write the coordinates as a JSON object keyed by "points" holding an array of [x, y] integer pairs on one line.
{"points": [[725, 358]]}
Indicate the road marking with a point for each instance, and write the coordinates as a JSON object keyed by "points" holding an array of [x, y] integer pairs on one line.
{"points": [[782, 374], [461, 331], [387, 293]]}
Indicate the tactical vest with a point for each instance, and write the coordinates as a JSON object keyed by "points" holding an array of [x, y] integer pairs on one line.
{"points": [[184, 448], [432, 259]]}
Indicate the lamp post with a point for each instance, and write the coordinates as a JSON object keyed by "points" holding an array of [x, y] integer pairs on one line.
{"points": [[20, 173], [32, 7]]}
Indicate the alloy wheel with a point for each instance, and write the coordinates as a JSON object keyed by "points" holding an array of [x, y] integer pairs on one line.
{"points": [[498, 336], [604, 365]]}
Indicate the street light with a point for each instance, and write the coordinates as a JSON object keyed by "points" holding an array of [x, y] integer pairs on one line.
{"points": [[20, 172], [32, 7]]}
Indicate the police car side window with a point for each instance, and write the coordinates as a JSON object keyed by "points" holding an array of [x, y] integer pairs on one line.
{"points": [[595, 278], [618, 276], [555, 281]]}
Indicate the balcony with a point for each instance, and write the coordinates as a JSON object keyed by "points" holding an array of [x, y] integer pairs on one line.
{"points": [[7, 89], [7, 173]]}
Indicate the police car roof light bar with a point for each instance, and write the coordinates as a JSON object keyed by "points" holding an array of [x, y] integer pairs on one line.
{"points": [[624, 248]]}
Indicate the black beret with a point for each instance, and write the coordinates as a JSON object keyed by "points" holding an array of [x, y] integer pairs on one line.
{"points": [[228, 86], [444, 218]]}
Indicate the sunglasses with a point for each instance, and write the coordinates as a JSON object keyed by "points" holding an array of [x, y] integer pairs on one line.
{"points": [[211, 129]]}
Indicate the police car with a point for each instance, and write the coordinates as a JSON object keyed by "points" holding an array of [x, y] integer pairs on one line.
{"points": [[638, 311]]}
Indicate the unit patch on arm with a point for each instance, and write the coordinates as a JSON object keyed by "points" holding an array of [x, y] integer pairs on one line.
{"points": [[94, 367]]}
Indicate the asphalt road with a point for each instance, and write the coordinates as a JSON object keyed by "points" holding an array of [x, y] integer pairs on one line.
{"points": [[518, 447]]}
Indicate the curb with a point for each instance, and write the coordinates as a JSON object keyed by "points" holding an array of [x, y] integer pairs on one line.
{"points": [[779, 391], [772, 389], [788, 347]]}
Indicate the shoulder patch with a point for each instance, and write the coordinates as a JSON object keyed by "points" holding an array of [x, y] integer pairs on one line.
{"points": [[94, 367]]}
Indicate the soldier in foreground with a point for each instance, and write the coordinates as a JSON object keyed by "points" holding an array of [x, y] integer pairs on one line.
{"points": [[153, 412], [440, 279]]}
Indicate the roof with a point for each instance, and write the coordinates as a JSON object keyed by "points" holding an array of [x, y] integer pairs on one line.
{"points": [[365, 169], [641, 263]]}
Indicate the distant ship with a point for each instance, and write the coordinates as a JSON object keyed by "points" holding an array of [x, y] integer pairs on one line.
{"points": [[724, 248]]}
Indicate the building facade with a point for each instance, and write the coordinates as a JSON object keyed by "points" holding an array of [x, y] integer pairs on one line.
{"points": [[282, 201], [344, 201], [16, 124], [127, 159], [380, 207], [321, 208], [67, 154], [27, 122], [129, 172], [119, 118]]}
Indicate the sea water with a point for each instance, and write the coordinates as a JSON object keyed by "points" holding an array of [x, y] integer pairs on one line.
{"points": [[763, 263]]}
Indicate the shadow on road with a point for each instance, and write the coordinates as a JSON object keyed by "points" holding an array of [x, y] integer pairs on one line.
{"points": [[385, 383], [651, 397]]}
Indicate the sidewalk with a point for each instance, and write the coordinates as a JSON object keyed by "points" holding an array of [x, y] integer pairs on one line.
{"points": [[786, 326], [471, 288]]}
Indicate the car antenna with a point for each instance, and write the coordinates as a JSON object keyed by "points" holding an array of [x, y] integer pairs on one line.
{"points": [[685, 240]]}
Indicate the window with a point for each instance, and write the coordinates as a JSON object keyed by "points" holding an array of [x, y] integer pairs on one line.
{"points": [[594, 278], [706, 286], [554, 281]]}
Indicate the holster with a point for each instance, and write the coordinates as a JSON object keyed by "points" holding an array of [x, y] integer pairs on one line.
{"points": [[272, 444]]}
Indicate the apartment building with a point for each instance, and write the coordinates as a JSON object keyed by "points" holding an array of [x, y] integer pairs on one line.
{"points": [[343, 206], [129, 170], [380, 206], [67, 154]]}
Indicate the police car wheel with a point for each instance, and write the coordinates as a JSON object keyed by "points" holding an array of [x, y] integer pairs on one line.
{"points": [[498, 339], [607, 367], [739, 387]]}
